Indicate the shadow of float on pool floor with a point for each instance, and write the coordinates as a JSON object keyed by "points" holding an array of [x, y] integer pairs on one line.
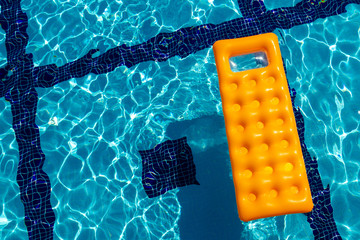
{"points": [[208, 211]]}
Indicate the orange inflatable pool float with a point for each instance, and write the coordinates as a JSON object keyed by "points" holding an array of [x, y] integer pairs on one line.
{"points": [[267, 163]]}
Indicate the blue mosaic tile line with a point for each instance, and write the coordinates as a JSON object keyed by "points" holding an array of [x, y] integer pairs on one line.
{"points": [[34, 183], [321, 218], [19, 78], [186, 41]]}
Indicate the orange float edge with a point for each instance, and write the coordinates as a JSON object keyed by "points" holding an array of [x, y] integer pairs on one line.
{"points": [[267, 163]]}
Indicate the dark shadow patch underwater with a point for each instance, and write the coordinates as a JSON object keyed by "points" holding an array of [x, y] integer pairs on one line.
{"points": [[208, 211]]}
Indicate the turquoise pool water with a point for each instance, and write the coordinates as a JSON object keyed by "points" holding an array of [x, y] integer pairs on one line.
{"points": [[92, 128]]}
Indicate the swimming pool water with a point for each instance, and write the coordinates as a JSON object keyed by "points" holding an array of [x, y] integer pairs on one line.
{"points": [[92, 128]]}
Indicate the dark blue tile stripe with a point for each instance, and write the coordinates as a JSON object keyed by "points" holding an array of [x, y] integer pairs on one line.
{"points": [[186, 41], [321, 218], [34, 184]]}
